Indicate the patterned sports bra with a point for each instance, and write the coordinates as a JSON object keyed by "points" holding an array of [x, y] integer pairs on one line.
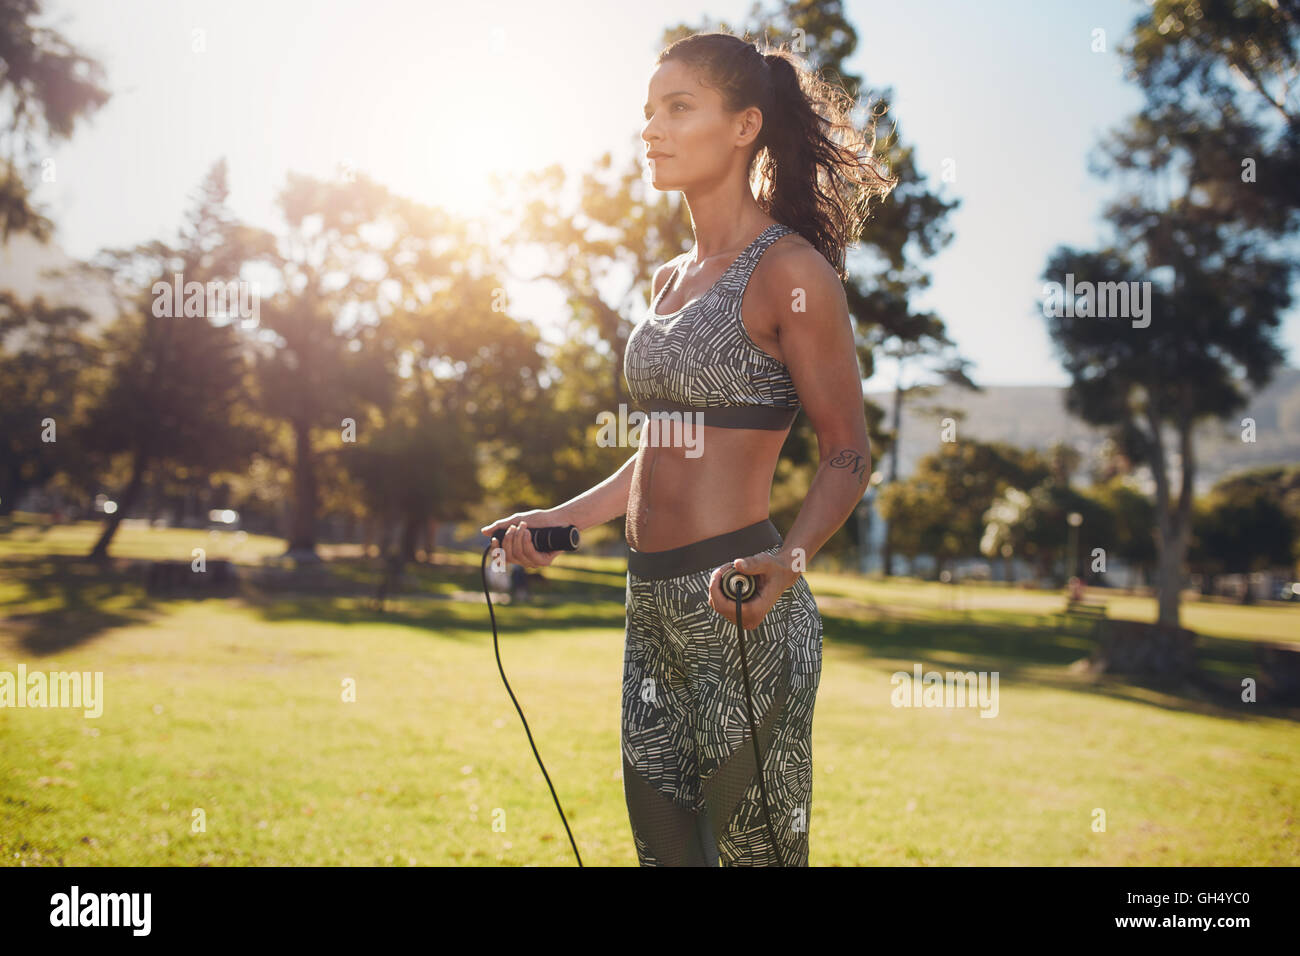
{"points": [[701, 359]]}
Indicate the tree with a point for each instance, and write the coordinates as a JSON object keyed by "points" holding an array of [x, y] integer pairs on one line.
{"points": [[1279, 483], [1215, 48], [914, 509], [1250, 521], [941, 508], [1226, 73], [1195, 233], [1240, 530], [329, 359], [1030, 519], [37, 397], [906, 338], [1108, 462], [411, 470], [469, 400], [176, 380], [1133, 524], [49, 86]]}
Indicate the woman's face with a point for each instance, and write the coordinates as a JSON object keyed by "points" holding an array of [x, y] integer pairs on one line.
{"points": [[687, 123]]}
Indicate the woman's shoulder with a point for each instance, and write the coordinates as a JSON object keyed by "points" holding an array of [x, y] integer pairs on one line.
{"points": [[792, 262], [792, 255], [791, 239]]}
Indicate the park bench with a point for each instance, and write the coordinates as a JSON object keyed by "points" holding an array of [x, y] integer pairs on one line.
{"points": [[1093, 612]]}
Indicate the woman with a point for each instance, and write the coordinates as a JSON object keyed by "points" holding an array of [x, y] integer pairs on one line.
{"points": [[744, 330]]}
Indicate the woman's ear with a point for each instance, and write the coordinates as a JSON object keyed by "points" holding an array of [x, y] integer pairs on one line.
{"points": [[749, 123]]}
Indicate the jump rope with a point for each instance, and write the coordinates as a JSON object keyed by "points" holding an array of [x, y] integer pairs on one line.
{"points": [[734, 584]]}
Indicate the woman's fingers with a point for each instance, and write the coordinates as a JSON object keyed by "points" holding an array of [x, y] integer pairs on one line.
{"points": [[512, 544], [516, 541], [535, 558], [528, 553], [524, 544], [501, 539], [497, 529]]}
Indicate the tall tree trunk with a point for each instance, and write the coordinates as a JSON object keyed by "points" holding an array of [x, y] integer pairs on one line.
{"points": [[139, 468], [302, 530], [410, 532], [1247, 596], [9, 492], [397, 558], [1172, 543], [1173, 520]]}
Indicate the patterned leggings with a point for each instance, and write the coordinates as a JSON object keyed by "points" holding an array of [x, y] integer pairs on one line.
{"points": [[688, 761]]}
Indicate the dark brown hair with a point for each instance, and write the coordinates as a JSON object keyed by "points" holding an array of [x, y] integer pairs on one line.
{"points": [[816, 171]]}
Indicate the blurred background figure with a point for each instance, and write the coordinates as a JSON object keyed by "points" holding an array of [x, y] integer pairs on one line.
{"points": [[518, 583]]}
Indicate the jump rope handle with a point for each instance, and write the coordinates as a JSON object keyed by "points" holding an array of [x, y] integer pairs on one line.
{"points": [[555, 538], [551, 538], [740, 587]]}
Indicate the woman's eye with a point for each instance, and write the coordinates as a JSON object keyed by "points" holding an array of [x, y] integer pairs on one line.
{"points": [[673, 107]]}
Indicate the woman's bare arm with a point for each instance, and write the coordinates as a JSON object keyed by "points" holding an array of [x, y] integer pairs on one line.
{"points": [[596, 505], [819, 350], [600, 503]]}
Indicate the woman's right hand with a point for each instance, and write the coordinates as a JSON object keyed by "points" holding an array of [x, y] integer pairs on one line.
{"points": [[513, 537]]}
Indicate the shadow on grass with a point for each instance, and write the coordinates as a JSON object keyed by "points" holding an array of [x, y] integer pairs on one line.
{"points": [[448, 598], [459, 620], [1034, 649], [462, 574], [63, 602], [71, 597]]}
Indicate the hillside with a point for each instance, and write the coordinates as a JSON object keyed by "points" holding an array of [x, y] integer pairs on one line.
{"points": [[1034, 416]]}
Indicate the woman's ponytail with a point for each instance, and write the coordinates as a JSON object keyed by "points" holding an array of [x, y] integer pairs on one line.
{"points": [[813, 170]]}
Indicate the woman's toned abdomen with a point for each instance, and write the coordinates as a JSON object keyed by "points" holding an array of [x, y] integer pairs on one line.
{"points": [[679, 496]]}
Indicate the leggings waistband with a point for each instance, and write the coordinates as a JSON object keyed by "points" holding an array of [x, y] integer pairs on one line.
{"points": [[703, 555]]}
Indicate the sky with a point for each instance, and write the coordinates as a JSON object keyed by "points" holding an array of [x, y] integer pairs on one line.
{"points": [[429, 97]]}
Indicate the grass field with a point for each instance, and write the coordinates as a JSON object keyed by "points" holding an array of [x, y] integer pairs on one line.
{"points": [[232, 712]]}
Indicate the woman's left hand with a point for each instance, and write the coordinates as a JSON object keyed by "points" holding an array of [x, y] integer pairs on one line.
{"points": [[773, 578]]}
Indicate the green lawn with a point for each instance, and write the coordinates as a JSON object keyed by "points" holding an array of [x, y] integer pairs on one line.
{"points": [[234, 708]]}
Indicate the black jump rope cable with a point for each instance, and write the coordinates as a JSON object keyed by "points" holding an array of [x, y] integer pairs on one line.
{"points": [[734, 584]]}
